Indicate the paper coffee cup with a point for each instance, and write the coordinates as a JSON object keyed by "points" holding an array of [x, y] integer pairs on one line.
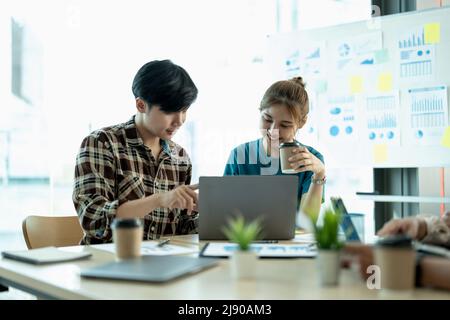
{"points": [[396, 258], [286, 152], [127, 237]]}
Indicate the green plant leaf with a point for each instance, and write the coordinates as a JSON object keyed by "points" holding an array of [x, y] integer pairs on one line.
{"points": [[327, 234], [242, 233]]}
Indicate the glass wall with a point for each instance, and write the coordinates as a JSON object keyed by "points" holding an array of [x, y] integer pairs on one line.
{"points": [[67, 67]]}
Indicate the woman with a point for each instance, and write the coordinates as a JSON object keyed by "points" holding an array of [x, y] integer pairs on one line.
{"points": [[284, 110]]}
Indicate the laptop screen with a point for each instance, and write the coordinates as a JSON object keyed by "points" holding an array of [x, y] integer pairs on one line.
{"points": [[270, 199]]}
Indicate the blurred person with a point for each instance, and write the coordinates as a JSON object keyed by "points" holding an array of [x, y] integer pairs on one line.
{"points": [[432, 271], [428, 229]]}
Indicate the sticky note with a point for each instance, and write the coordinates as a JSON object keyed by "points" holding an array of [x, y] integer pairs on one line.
{"points": [[432, 33], [445, 142], [321, 86], [381, 56], [384, 82], [380, 153], [356, 84]]}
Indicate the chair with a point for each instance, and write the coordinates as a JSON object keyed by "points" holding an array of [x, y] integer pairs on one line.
{"points": [[42, 231]]}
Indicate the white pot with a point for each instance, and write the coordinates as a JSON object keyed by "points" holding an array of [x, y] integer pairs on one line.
{"points": [[243, 264], [328, 267]]}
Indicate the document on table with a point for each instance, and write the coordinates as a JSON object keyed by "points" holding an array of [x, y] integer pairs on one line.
{"points": [[151, 249], [225, 249], [305, 238]]}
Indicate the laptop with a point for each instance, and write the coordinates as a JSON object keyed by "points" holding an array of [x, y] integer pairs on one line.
{"points": [[271, 199], [347, 225], [150, 268]]}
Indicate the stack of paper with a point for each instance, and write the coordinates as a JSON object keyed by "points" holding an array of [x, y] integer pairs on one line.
{"points": [[225, 249], [152, 249]]}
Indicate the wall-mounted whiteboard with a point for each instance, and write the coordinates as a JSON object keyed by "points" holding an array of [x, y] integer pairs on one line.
{"points": [[378, 89]]}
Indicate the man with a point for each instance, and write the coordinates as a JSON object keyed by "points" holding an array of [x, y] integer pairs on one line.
{"points": [[133, 169]]}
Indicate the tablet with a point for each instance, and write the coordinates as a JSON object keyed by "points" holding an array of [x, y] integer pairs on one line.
{"points": [[150, 268], [350, 232]]}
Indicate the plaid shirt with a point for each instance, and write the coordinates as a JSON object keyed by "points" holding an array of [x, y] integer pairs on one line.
{"points": [[114, 166]]}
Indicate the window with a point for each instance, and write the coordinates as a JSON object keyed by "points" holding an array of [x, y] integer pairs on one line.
{"points": [[26, 62], [89, 67], [307, 14], [92, 51]]}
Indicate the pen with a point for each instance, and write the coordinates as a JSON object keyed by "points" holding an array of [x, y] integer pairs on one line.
{"points": [[163, 242]]}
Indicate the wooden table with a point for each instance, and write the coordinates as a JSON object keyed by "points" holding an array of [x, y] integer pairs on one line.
{"points": [[275, 279]]}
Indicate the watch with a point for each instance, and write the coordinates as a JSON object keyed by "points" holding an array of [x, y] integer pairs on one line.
{"points": [[318, 181]]}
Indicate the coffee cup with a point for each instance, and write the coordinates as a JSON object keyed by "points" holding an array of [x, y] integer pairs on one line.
{"points": [[286, 149], [127, 237], [396, 258]]}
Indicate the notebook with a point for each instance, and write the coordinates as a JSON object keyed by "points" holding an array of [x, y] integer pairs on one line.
{"points": [[45, 255], [150, 268]]}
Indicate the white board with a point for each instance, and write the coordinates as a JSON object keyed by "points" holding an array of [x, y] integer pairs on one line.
{"points": [[379, 88]]}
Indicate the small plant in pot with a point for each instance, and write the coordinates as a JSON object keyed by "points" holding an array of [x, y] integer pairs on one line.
{"points": [[243, 261], [329, 245]]}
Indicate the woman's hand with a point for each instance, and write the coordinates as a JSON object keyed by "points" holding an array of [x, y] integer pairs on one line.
{"points": [[303, 160]]}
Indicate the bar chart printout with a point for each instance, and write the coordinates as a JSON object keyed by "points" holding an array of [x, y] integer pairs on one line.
{"points": [[412, 39], [382, 116], [416, 58], [428, 114]]}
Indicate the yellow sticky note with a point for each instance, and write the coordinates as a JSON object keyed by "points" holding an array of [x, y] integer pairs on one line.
{"points": [[356, 84], [432, 33], [445, 142], [385, 82], [380, 153]]}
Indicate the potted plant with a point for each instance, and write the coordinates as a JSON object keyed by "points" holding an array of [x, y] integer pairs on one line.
{"points": [[243, 261], [329, 246]]}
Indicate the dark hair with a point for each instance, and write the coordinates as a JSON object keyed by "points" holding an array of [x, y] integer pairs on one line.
{"points": [[290, 93], [163, 83]]}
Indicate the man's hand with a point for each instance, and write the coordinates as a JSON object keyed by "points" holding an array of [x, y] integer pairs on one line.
{"points": [[416, 228], [182, 197]]}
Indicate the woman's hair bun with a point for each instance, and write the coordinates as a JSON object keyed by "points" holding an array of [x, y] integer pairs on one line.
{"points": [[299, 80]]}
